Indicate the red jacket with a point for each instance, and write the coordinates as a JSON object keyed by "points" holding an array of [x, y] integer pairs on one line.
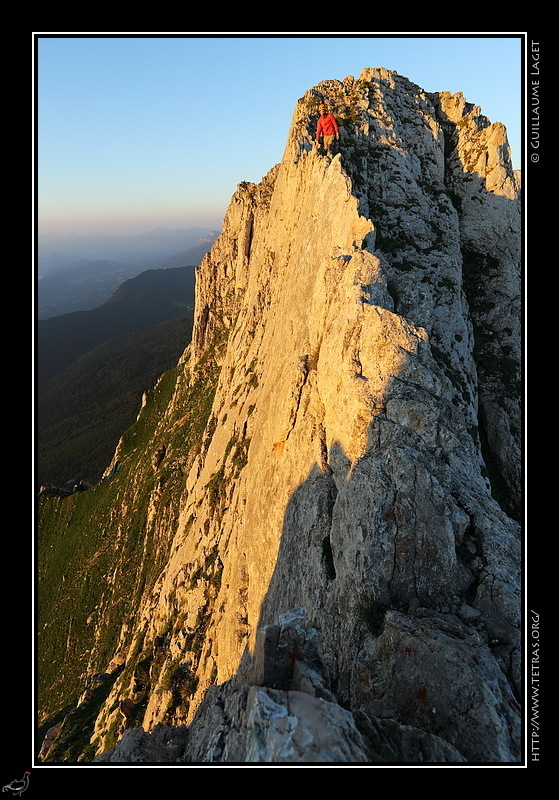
{"points": [[327, 125]]}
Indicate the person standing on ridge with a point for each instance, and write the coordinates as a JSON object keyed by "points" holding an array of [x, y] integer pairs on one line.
{"points": [[327, 128]]}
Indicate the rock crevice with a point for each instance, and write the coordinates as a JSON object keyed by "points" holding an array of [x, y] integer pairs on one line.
{"points": [[362, 316]]}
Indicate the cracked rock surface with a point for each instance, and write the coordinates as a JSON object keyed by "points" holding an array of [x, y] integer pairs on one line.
{"points": [[363, 314]]}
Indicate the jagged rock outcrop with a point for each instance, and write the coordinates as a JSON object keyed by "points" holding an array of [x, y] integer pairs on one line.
{"points": [[361, 460], [284, 714]]}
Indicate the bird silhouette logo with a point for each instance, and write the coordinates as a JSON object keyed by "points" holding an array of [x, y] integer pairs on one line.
{"points": [[17, 787]]}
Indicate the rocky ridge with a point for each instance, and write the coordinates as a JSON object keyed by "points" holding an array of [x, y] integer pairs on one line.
{"points": [[343, 580]]}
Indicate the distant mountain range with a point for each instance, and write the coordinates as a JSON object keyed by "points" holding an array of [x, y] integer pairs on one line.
{"points": [[56, 251], [83, 411], [308, 551], [152, 297], [79, 273], [93, 366]]}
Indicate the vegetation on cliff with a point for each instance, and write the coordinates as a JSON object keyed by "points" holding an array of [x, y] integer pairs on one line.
{"points": [[95, 562], [322, 445]]}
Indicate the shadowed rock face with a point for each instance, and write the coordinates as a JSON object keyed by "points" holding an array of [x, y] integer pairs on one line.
{"points": [[364, 315], [285, 714]]}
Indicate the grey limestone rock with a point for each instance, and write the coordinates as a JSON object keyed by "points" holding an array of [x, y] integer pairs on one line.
{"points": [[362, 456]]}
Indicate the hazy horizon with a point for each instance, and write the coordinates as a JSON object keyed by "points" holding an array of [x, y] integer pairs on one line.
{"points": [[130, 228]]}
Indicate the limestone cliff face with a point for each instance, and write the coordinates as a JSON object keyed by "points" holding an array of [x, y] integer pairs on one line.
{"points": [[343, 583]]}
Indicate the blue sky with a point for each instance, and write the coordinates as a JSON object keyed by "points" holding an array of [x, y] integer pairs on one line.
{"points": [[138, 131]]}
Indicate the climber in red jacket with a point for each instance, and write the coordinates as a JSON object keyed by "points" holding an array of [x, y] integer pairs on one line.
{"points": [[327, 128]]}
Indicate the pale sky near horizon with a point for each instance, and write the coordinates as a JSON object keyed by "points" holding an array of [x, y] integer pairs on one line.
{"points": [[148, 130]]}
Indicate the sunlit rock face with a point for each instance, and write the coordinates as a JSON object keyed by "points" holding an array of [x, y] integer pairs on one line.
{"points": [[362, 457]]}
